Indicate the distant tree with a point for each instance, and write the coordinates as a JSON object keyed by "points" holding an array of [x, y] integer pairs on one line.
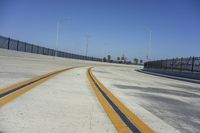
{"points": [[125, 60], [135, 61], [109, 58], [104, 59], [122, 58], [141, 61], [118, 59]]}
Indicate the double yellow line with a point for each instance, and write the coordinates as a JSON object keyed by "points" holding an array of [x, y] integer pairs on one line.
{"points": [[9, 93], [122, 118]]}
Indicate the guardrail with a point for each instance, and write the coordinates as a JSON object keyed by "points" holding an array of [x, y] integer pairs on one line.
{"points": [[190, 64], [12, 44]]}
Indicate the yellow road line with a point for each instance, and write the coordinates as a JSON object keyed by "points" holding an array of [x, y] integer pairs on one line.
{"points": [[117, 122], [132, 117], [22, 83], [19, 92]]}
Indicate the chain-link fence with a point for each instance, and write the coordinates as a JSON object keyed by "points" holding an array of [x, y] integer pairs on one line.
{"points": [[191, 64], [12, 44]]}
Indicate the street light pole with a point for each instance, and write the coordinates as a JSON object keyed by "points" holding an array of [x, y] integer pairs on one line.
{"points": [[149, 49], [86, 51], [107, 50], [87, 43], [57, 34], [149, 43]]}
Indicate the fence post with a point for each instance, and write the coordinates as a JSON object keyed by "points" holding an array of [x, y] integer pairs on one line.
{"points": [[193, 63], [8, 43], [147, 64], [31, 48], [17, 45], [181, 66], [25, 47], [172, 64], [43, 50], [53, 52], [48, 51], [37, 49]]}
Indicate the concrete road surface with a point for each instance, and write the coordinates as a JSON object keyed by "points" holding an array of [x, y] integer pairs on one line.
{"points": [[62, 104], [165, 104], [67, 103]]}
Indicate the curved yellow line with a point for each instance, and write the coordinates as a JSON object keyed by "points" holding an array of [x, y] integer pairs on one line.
{"points": [[116, 120], [135, 119], [13, 95]]}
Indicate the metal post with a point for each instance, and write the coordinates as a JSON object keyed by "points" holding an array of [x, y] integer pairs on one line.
{"points": [[147, 63], [86, 50], [87, 41], [86, 47], [172, 64], [37, 49], [17, 45], [181, 67], [43, 50], [54, 52], [31, 48], [193, 63], [57, 34], [48, 53], [149, 51], [8, 43], [25, 47]]}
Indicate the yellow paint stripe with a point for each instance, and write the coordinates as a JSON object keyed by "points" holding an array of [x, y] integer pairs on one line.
{"points": [[13, 95], [135, 119], [116, 120], [22, 83]]}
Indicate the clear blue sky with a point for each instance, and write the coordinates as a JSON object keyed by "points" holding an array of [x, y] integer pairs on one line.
{"points": [[115, 26]]}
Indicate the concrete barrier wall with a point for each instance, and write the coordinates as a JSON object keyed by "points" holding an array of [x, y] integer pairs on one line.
{"points": [[189, 64], [31, 56], [12, 44], [191, 75]]}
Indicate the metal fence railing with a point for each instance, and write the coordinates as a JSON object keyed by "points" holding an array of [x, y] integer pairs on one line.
{"points": [[191, 64], [12, 44]]}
